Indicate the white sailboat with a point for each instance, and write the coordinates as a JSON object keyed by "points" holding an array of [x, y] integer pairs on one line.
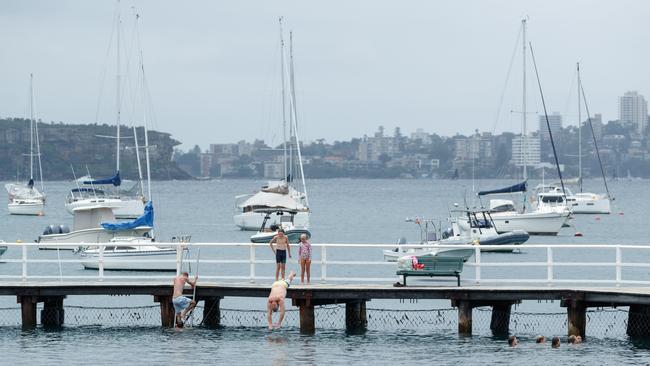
{"points": [[280, 195], [25, 199], [585, 202], [541, 221], [125, 203]]}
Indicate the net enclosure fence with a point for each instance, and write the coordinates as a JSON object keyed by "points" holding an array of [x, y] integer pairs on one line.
{"points": [[601, 322]]}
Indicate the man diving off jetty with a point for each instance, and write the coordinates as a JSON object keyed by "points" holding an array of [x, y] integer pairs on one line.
{"points": [[182, 305], [276, 300]]}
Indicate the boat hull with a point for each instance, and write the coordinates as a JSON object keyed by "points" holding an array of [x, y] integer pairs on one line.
{"points": [[29, 209], [547, 223], [122, 208], [87, 236], [292, 234], [133, 261], [252, 221], [592, 204], [393, 256]]}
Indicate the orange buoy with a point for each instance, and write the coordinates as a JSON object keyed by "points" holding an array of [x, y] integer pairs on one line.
{"points": [[577, 233]]}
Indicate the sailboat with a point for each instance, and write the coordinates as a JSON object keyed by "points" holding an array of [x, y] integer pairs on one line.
{"points": [[25, 199], [506, 217], [280, 196], [585, 202], [126, 204]]}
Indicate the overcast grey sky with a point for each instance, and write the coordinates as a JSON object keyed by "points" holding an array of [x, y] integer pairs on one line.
{"points": [[213, 66]]}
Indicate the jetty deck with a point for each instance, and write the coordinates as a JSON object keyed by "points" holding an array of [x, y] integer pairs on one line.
{"points": [[355, 296]]}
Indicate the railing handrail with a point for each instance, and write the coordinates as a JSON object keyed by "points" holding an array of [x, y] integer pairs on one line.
{"points": [[614, 252]]}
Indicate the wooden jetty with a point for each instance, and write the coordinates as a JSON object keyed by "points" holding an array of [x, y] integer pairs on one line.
{"points": [[501, 298]]}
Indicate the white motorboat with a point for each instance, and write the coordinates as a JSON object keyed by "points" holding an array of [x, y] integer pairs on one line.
{"points": [[124, 206], [291, 230], [25, 199], [87, 229], [552, 199], [280, 195], [275, 195], [130, 254]]}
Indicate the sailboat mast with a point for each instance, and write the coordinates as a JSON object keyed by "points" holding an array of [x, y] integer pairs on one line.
{"points": [[579, 132], [31, 127], [292, 116], [523, 102], [36, 138], [117, 89], [284, 112]]}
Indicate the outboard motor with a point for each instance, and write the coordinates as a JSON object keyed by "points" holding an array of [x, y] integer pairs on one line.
{"points": [[64, 229]]}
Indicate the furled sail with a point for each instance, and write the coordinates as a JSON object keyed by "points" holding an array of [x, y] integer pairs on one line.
{"points": [[115, 180], [519, 187], [145, 220]]}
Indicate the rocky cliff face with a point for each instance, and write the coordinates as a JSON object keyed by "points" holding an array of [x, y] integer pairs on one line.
{"points": [[64, 147]]}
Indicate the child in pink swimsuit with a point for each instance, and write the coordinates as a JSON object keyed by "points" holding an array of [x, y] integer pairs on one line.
{"points": [[304, 257]]}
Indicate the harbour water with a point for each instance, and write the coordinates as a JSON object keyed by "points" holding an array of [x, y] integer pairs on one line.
{"points": [[344, 211]]}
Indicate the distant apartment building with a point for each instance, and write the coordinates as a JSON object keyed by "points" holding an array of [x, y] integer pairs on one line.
{"points": [[633, 110], [555, 121], [473, 151], [371, 148], [525, 150], [597, 124], [274, 169], [421, 135]]}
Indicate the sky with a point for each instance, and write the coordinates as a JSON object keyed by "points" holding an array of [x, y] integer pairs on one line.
{"points": [[213, 67]]}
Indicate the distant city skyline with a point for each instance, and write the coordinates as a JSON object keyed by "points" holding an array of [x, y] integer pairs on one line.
{"points": [[213, 67]]}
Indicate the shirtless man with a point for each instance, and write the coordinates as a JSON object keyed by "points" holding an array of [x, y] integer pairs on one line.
{"points": [[182, 305], [276, 300], [282, 248]]}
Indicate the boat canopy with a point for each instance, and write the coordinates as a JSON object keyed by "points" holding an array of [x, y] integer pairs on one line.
{"points": [[272, 200], [145, 220], [519, 187], [114, 180]]}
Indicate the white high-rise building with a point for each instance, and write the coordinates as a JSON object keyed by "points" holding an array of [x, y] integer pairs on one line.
{"points": [[555, 120], [530, 155], [633, 110]]}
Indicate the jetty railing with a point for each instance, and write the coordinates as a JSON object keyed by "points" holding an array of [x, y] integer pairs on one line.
{"points": [[544, 264]]}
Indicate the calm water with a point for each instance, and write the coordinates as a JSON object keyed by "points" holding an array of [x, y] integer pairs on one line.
{"points": [[346, 211]]}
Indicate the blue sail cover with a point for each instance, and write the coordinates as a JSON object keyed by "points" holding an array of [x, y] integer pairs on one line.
{"points": [[519, 187], [115, 180], [145, 220]]}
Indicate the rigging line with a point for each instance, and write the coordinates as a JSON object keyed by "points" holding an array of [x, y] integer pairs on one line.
{"points": [[569, 95], [38, 146], [505, 85], [593, 135], [548, 124], [105, 68]]}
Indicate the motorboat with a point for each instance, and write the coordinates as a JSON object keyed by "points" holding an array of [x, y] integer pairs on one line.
{"points": [[552, 198], [130, 254], [589, 203], [3, 248], [276, 195], [472, 227], [126, 204], [291, 230], [482, 230], [93, 225]]}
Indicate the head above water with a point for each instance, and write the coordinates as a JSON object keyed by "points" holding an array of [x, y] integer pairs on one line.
{"points": [[571, 339], [540, 339], [512, 341], [555, 342]]}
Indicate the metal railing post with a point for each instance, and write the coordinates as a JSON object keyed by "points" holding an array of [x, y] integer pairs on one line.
{"points": [[179, 258], [101, 262], [549, 264], [618, 265], [323, 263], [252, 262], [477, 262], [24, 262]]}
